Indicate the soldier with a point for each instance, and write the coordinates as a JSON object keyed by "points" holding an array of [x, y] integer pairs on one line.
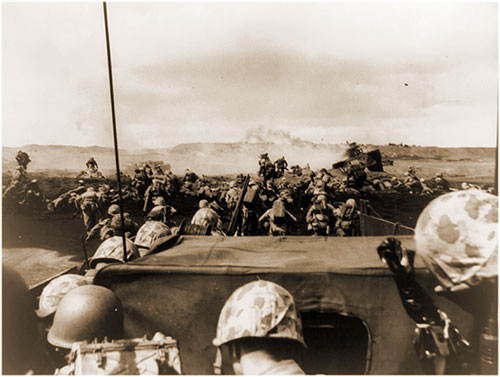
{"points": [[155, 190], [88, 204], [441, 183], [190, 176], [33, 197], [23, 159], [320, 216], [277, 219], [162, 212], [86, 313], [263, 160], [232, 195], [207, 217], [20, 333], [103, 228], [131, 227], [281, 165], [54, 292], [111, 251], [148, 233], [348, 221], [468, 279], [252, 206], [92, 164], [426, 190], [148, 171], [159, 171], [260, 331]]}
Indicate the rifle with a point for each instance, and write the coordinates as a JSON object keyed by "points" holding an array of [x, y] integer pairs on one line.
{"points": [[84, 249], [236, 213]]}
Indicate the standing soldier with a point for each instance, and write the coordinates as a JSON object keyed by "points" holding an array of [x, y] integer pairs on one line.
{"points": [[232, 195], [281, 166], [23, 159], [88, 204], [92, 164]]}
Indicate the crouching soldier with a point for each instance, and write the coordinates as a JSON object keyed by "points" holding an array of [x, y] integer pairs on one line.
{"points": [[348, 220], [320, 216], [277, 219], [260, 331]]}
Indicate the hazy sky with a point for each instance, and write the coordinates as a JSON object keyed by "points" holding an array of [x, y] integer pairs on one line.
{"points": [[324, 72]]}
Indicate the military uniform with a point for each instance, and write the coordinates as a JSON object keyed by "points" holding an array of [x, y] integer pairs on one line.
{"points": [[89, 205]]}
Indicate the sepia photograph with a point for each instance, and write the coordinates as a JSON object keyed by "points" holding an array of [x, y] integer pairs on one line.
{"points": [[250, 187]]}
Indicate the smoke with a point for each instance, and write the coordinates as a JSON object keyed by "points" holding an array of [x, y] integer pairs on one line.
{"points": [[261, 134]]}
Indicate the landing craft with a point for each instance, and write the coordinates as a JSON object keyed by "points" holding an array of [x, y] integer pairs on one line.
{"points": [[353, 319]]}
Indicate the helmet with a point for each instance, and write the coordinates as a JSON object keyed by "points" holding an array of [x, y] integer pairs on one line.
{"points": [[111, 250], [260, 309], [215, 206], [114, 209], [457, 237], [232, 184], [159, 201], [203, 203], [351, 203], [149, 232], [116, 223], [81, 181], [87, 313], [55, 291], [19, 327]]}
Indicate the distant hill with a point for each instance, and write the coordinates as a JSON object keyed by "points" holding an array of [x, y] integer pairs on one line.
{"points": [[226, 158]]}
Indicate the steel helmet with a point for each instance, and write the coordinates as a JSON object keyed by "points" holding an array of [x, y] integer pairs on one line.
{"points": [[19, 328], [114, 209], [260, 309], [232, 184], [457, 237], [111, 250], [149, 232], [87, 313], [203, 203], [53, 293]]}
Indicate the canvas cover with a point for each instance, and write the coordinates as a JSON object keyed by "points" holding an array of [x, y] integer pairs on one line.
{"points": [[181, 291]]}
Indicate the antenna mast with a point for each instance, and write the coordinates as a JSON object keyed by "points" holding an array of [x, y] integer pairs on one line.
{"points": [[115, 138]]}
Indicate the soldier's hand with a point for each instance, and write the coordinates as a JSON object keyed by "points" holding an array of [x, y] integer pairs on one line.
{"points": [[392, 253]]}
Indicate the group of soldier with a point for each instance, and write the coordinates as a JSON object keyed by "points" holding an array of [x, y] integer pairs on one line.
{"points": [[259, 330], [317, 202]]}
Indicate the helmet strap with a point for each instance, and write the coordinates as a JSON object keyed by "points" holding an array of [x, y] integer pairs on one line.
{"points": [[218, 362]]}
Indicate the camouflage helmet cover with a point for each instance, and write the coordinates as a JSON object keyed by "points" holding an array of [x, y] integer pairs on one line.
{"points": [[457, 237], [260, 309], [111, 250], [149, 232], [53, 293]]}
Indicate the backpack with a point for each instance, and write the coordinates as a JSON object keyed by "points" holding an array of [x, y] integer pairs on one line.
{"points": [[136, 356]]}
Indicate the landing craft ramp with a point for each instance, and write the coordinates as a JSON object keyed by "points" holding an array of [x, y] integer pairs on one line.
{"points": [[354, 322]]}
